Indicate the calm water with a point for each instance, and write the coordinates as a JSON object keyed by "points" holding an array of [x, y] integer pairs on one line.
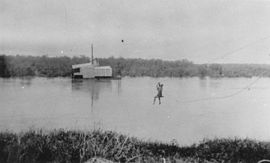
{"points": [[191, 110]]}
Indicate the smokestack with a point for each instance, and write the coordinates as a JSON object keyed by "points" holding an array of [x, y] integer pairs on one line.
{"points": [[92, 54]]}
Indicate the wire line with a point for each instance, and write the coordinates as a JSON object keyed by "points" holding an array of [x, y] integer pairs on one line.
{"points": [[226, 96]]}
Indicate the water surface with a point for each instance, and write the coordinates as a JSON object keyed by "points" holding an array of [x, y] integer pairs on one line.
{"points": [[191, 110]]}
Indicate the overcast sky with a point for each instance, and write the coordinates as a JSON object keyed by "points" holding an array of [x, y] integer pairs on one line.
{"points": [[198, 30]]}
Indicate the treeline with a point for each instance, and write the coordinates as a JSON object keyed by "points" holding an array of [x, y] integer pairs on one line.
{"points": [[18, 66]]}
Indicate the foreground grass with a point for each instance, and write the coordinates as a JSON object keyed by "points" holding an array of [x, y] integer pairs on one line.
{"points": [[76, 146]]}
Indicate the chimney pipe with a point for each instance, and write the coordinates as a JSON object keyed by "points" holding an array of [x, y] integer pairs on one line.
{"points": [[92, 54]]}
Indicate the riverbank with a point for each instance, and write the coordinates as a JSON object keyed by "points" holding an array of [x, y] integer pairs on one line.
{"points": [[44, 66], [80, 146]]}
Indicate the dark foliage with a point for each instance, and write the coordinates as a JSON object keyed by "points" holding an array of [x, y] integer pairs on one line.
{"points": [[4, 72], [18, 66], [76, 146]]}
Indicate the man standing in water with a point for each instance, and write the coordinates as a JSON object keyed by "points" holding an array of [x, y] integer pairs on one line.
{"points": [[159, 94]]}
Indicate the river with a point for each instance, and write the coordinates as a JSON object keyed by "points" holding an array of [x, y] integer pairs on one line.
{"points": [[192, 108]]}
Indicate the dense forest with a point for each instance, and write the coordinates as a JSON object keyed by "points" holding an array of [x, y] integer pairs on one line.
{"points": [[20, 66]]}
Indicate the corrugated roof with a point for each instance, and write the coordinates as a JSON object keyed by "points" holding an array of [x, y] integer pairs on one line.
{"points": [[91, 65], [82, 65], [103, 67]]}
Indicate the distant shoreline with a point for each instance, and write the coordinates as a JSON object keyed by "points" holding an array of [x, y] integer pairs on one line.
{"points": [[80, 146], [44, 66]]}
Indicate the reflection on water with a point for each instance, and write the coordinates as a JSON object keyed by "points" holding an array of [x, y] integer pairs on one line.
{"points": [[119, 88], [92, 87], [26, 82], [203, 82], [214, 83]]}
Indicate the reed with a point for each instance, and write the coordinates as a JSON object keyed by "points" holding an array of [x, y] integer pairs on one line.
{"points": [[79, 146]]}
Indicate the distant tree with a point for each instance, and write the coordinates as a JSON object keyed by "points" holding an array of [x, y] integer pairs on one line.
{"points": [[4, 72]]}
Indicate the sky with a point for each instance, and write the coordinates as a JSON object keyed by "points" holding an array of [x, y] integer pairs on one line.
{"points": [[208, 31]]}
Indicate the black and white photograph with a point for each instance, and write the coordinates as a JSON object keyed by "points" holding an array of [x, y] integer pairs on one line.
{"points": [[134, 81]]}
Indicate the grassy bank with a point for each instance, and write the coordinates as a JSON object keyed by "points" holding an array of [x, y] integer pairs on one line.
{"points": [[76, 146]]}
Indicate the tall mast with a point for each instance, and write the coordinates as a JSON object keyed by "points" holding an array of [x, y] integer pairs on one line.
{"points": [[92, 54]]}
